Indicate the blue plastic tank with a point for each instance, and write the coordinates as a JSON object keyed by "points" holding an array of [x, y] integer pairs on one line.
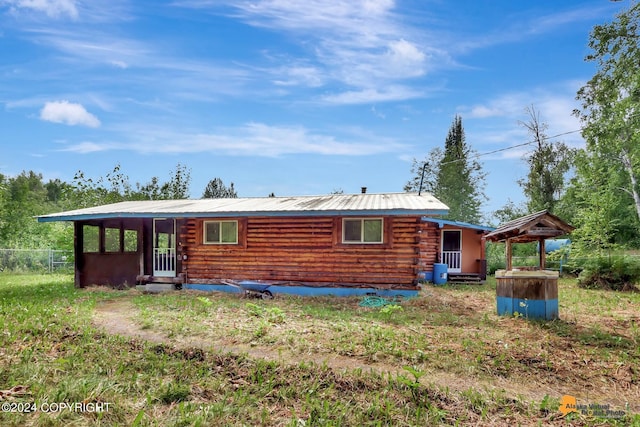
{"points": [[440, 273]]}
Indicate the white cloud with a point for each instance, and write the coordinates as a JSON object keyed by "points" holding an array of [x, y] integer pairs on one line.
{"points": [[518, 27], [483, 111], [377, 113], [251, 139], [265, 140], [365, 96], [510, 104], [68, 113], [360, 43], [299, 75], [87, 147], [52, 8], [194, 78], [119, 64], [96, 47], [405, 59]]}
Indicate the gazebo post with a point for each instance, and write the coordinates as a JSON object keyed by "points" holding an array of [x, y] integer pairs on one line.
{"points": [[542, 254]]}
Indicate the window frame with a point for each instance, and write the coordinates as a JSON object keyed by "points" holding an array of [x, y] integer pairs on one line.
{"points": [[206, 223], [362, 231]]}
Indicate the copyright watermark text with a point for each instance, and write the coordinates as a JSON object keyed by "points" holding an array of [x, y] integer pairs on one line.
{"points": [[28, 407]]}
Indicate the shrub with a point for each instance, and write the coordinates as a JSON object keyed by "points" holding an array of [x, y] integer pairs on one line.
{"points": [[618, 273]]}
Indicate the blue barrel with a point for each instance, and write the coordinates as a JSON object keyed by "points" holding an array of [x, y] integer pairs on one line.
{"points": [[440, 273]]}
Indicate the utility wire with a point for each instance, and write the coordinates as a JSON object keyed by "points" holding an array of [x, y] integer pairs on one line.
{"points": [[513, 146], [475, 156]]}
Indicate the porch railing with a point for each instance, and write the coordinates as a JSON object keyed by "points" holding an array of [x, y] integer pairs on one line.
{"points": [[453, 260], [164, 262]]}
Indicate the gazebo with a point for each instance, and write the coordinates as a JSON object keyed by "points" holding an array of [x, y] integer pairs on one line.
{"points": [[531, 292]]}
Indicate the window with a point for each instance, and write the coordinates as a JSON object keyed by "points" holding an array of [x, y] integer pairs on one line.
{"points": [[112, 240], [362, 230], [130, 240], [90, 238], [220, 232]]}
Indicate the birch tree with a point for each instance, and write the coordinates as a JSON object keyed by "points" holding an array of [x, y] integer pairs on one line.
{"points": [[548, 163], [610, 111]]}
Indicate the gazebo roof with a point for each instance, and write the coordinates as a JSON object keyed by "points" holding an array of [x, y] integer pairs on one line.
{"points": [[530, 228]]}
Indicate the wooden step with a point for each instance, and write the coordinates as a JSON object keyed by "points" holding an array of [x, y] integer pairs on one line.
{"points": [[156, 287], [464, 278], [147, 278]]}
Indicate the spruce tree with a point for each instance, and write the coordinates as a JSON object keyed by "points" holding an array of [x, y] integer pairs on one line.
{"points": [[216, 189], [453, 175]]}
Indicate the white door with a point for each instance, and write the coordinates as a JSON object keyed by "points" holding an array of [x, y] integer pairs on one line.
{"points": [[452, 250], [164, 247]]}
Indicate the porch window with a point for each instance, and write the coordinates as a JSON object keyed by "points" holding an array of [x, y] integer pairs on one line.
{"points": [[130, 240], [220, 232], [112, 240], [90, 238], [362, 230]]}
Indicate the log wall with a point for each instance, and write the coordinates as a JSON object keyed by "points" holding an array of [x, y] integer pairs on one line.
{"points": [[429, 245], [309, 250]]}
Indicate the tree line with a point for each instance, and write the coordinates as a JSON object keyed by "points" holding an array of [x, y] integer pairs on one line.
{"points": [[27, 195]]}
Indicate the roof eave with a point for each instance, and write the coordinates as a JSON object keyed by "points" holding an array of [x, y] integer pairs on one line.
{"points": [[443, 222]]}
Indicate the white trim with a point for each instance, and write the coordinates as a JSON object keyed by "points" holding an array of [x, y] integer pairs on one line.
{"points": [[453, 259], [164, 259]]}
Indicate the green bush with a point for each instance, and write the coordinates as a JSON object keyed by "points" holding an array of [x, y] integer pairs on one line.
{"points": [[617, 272], [495, 257]]}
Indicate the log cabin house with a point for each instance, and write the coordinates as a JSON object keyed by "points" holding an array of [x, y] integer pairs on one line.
{"points": [[341, 244]]}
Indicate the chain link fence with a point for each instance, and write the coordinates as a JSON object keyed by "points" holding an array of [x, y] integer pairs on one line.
{"points": [[36, 260]]}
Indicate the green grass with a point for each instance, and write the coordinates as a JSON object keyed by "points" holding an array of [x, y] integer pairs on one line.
{"points": [[49, 344]]}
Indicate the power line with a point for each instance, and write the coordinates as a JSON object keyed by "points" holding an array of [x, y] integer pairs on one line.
{"points": [[513, 146], [425, 164], [636, 114]]}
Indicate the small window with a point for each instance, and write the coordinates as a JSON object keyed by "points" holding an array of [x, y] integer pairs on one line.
{"points": [[112, 240], [90, 238], [130, 240], [362, 230], [221, 232]]}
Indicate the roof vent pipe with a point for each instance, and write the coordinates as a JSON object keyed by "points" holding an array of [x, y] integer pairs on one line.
{"points": [[363, 190]]}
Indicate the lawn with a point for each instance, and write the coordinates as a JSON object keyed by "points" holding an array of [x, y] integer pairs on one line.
{"points": [[190, 358]]}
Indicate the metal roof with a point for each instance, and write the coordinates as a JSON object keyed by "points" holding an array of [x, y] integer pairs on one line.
{"points": [[332, 204], [443, 222]]}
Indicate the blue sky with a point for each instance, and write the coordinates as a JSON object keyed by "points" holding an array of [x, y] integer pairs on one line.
{"points": [[291, 97]]}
